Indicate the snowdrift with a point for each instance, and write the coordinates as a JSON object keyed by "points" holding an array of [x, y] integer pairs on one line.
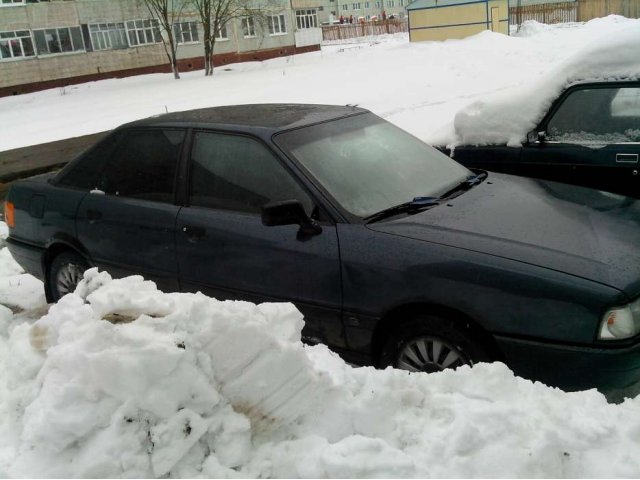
{"points": [[122, 380], [507, 116]]}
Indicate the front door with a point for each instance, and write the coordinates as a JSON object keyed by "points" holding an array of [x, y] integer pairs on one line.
{"points": [[225, 250], [592, 138]]}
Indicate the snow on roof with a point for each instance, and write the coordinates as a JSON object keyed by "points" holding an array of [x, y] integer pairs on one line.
{"points": [[506, 117], [122, 380]]}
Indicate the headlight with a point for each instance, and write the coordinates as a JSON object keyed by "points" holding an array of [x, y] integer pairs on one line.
{"points": [[620, 323]]}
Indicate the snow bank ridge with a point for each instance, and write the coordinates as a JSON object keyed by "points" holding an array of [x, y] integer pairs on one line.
{"points": [[188, 386]]}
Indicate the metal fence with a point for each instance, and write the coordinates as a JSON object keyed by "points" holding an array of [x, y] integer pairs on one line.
{"points": [[363, 29], [575, 11]]}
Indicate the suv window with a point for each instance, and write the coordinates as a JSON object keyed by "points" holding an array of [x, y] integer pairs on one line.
{"points": [[84, 172], [597, 115], [144, 165], [238, 173]]}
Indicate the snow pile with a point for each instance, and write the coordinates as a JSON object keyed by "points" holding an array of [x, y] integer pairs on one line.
{"points": [[506, 117], [194, 387], [18, 291]]}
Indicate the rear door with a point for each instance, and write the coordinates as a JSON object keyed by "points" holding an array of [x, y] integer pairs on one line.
{"points": [[225, 250], [591, 138], [127, 222]]}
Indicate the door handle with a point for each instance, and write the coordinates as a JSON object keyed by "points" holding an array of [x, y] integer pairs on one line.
{"points": [[194, 233], [626, 158], [93, 215]]}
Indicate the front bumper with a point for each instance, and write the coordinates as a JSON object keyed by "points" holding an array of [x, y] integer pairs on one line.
{"points": [[573, 367], [27, 256]]}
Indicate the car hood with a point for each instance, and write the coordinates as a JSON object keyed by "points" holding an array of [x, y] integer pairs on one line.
{"points": [[579, 231]]}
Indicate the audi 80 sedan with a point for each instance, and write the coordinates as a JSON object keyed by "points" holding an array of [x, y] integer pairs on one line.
{"points": [[395, 254]]}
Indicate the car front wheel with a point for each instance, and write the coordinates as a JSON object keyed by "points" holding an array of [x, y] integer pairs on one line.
{"points": [[430, 344], [66, 271]]}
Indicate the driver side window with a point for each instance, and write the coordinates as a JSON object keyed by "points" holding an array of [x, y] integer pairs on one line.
{"points": [[597, 115], [237, 173]]}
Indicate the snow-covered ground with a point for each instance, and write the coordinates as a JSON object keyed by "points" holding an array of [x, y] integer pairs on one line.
{"points": [[418, 86], [121, 380]]}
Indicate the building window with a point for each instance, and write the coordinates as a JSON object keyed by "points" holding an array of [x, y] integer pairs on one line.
{"points": [[186, 32], [108, 36], [16, 44], [222, 33], [58, 40], [345, 7], [378, 4], [143, 32], [390, 3], [366, 4], [277, 25], [7, 3], [356, 6], [306, 19], [248, 27]]}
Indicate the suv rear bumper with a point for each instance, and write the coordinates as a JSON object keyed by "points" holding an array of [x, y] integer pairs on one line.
{"points": [[573, 367], [28, 256]]}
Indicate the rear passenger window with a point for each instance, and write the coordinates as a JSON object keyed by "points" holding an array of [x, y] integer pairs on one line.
{"points": [[84, 172], [238, 173], [144, 165]]}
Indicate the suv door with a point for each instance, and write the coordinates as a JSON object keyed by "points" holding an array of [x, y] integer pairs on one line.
{"points": [[127, 222], [225, 250], [591, 138]]}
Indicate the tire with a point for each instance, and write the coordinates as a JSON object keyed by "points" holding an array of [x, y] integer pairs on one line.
{"points": [[65, 272], [429, 343]]}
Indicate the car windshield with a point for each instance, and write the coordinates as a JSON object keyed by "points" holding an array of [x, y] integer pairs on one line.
{"points": [[368, 164]]}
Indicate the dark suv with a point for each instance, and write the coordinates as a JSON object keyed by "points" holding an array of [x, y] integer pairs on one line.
{"points": [[395, 254]]}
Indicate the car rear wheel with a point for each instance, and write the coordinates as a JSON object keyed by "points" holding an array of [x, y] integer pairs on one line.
{"points": [[429, 343], [65, 273]]}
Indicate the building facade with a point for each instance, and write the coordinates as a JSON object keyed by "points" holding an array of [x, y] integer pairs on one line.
{"points": [[57, 43]]}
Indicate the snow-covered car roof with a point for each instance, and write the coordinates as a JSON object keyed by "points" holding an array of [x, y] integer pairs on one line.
{"points": [[506, 117]]}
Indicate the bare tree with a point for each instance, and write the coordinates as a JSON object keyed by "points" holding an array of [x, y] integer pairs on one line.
{"points": [[216, 14], [168, 13]]}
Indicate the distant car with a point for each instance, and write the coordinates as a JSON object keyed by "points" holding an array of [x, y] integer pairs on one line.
{"points": [[395, 254], [590, 136]]}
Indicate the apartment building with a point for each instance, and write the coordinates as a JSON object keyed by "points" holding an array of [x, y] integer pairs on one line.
{"points": [[45, 44]]}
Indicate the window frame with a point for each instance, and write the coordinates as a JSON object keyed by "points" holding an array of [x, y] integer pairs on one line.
{"points": [[12, 3], [557, 104], [186, 171], [219, 37], [20, 41], [250, 30], [154, 28], [57, 29], [179, 32], [180, 160], [105, 34], [309, 18], [282, 25]]}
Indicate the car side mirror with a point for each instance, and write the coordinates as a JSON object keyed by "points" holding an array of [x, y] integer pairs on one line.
{"points": [[536, 136], [289, 212]]}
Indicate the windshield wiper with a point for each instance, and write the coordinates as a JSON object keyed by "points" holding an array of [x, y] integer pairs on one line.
{"points": [[416, 205], [471, 181]]}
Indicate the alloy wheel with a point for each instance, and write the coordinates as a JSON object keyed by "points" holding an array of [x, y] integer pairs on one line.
{"points": [[430, 354]]}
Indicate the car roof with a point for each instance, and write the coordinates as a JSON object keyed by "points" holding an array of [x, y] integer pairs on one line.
{"points": [[270, 116]]}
